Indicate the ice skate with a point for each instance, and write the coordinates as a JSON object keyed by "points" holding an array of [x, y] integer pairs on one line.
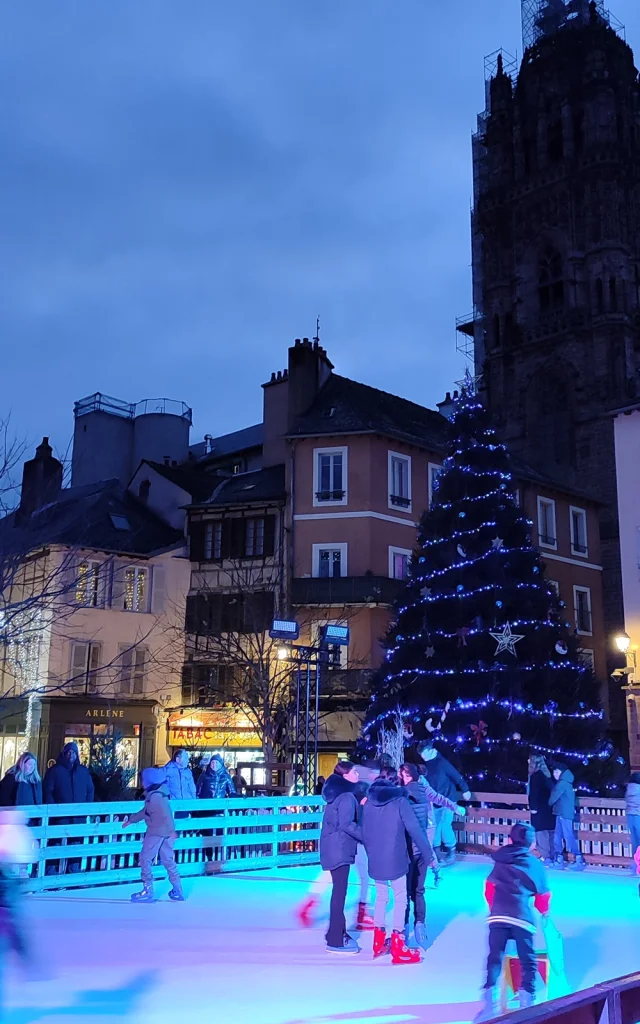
{"points": [[525, 999], [381, 944], [400, 953], [176, 896], [365, 920], [144, 896], [349, 947], [421, 935], [579, 863], [490, 1006]]}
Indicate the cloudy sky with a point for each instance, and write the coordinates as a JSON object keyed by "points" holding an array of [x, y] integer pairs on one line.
{"points": [[184, 186]]}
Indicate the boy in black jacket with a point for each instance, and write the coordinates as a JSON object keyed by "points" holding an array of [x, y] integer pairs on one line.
{"points": [[518, 879]]}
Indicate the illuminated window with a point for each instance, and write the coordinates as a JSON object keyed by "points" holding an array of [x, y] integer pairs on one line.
{"points": [[90, 584], [135, 589]]}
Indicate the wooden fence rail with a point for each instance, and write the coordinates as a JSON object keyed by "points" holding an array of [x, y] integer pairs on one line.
{"points": [[85, 844], [612, 1002]]}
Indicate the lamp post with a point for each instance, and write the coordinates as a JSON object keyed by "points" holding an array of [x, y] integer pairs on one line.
{"points": [[622, 641], [626, 675], [306, 658]]}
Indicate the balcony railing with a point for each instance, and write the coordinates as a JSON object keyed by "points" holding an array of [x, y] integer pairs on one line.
{"points": [[400, 500], [344, 590], [335, 495]]}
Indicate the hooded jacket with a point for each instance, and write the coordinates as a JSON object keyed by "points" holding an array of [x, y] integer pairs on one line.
{"points": [[517, 880], [340, 831], [442, 776], [156, 812], [68, 784], [214, 784], [180, 782], [632, 796], [562, 800], [539, 789], [421, 796], [386, 819]]}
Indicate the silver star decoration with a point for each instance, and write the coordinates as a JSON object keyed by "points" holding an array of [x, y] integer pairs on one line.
{"points": [[507, 640], [469, 383], [430, 651], [425, 592], [497, 543]]}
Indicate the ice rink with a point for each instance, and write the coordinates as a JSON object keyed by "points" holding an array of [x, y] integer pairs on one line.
{"points": [[234, 953]]}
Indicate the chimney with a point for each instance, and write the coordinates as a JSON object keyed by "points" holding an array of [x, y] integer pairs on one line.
{"points": [[309, 369], [41, 480], [447, 408]]}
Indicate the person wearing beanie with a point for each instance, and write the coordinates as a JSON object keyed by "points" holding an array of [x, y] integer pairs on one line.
{"points": [[516, 884], [159, 837], [562, 801]]}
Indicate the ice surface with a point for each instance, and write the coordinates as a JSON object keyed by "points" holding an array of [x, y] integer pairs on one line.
{"points": [[233, 953]]}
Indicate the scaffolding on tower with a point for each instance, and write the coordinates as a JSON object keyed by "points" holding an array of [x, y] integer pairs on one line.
{"points": [[544, 17]]}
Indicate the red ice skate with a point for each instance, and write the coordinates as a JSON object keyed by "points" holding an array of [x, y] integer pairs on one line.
{"points": [[400, 953], [305, 910], [381, 944], [365, 920]]}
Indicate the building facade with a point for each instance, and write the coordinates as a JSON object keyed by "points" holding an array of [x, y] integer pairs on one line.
{"points": [[556, 257]]}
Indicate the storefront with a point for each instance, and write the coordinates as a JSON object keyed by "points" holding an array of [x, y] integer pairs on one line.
{"points": [[65, 720], [13, 731], [225, 732]]}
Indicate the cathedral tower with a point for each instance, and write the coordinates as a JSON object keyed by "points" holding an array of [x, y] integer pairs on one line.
{"points": [[556, 252]]}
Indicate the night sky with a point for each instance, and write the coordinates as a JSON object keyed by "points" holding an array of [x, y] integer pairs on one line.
{"points": [[184, 186]]}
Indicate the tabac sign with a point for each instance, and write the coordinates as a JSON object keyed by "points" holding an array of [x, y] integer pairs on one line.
{"points": [[204, 737]]}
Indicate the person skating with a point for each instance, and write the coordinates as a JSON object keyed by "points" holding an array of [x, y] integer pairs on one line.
{"points": [[388, 824], [517, 881], [339, 838], [539, 786], [421, 797], [632, 809], [447, 780], [159, 837], [562, 801]]}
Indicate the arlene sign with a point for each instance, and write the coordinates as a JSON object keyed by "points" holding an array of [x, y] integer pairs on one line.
{"points": [[190, 737], [103, 713]]}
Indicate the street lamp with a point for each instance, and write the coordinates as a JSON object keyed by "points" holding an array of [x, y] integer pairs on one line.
{"points": [[622, 641]]}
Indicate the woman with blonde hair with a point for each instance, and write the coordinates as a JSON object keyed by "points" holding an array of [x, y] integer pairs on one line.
{"points": [[22, 785], [539, 787]]}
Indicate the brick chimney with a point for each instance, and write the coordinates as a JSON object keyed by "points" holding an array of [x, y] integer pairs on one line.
{"points": [[289, 393], [41, 480], [447, 407]]}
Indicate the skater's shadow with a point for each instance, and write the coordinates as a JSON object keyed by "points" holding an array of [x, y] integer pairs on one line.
{"points": [[434, 1013], [581, 953], [112, 1002]]}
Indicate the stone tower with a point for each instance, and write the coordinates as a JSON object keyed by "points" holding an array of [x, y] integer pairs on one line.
{"points": [[556, 253]]}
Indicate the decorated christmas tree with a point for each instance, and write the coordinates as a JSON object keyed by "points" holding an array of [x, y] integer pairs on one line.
{"points": [[483, 655]]}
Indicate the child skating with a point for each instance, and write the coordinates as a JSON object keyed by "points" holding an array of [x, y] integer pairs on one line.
{"points": [[517, 881], [159, 838]]}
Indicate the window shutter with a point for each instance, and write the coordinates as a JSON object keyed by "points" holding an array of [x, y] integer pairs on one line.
{"points": [[117, 587], [197, 532], [186, 696], [190, 615], [225, 545], [140, 669], [79, 655], [269, 534], [126, 663], [158, 589]]}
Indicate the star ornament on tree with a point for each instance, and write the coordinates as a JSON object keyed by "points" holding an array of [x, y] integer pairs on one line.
{"points": [[507, 640], [497, 543], [469, 383]]}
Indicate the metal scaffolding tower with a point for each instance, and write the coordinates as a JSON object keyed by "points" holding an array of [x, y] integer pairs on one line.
{"points": [[543, 17]]}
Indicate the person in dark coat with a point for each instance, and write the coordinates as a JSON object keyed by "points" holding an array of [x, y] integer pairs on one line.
{"points": [[215, 782], [22, 785], [421, 797], [446, 780], [389, 823], [517, 880], [339, 838], [319, 786], [67, 782], [562, 801], [539, 788]]}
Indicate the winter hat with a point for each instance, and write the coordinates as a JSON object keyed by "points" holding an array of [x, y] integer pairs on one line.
{"points": [[153, 777], [522, 835], [635, 778], [71, 746]]}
